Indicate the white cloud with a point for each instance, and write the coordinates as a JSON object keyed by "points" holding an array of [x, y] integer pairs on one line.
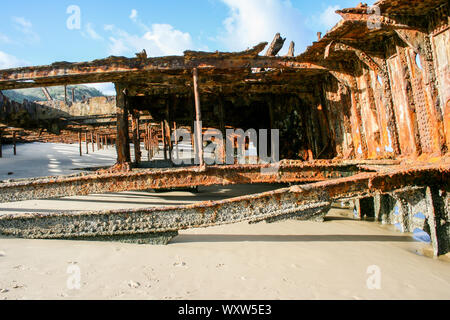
{"points": [[4, 38], [107, 89], [8, 61], [157, 40], [21, 21], [91, 33], [26, 27], [253, 21], [329, 18], [134, 15]]}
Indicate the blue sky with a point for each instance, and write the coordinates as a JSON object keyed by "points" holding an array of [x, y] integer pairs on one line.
{"points": [[37, 32]]}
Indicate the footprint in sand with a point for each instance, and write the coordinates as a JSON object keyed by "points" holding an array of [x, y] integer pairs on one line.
{"points": [[133, 284], [180, 264]]}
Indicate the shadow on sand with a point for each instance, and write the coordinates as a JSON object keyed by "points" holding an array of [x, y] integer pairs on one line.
{"points": [[187, 238]]}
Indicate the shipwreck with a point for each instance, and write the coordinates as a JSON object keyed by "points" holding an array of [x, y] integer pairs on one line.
{"points": [[363, 113]]}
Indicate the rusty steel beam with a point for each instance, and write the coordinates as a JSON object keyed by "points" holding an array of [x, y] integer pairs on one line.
{"points": [[289, 172], [120, 69], [47, 94], [301, 202]]}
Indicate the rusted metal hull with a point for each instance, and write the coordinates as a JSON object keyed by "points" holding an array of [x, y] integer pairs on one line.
{"points": [[375, 87]]}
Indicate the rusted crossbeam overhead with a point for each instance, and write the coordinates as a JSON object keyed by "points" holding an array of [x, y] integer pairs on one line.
{"points": [[120, 69]]}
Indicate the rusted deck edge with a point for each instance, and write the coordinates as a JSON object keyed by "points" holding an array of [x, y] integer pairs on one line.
{"points": [[285, 172], [304, 202]]}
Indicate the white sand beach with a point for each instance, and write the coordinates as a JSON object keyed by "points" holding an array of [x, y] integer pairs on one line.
{"points": [[285, 260]]}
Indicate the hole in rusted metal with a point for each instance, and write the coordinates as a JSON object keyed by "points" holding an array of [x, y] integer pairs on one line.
{"points": [[418, 61]]}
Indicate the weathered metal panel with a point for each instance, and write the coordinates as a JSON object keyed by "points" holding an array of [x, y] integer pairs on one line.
{"points": [[441, 46], [368, 114], [426, 119], [385, 136], [337, 99], [401, 106]]}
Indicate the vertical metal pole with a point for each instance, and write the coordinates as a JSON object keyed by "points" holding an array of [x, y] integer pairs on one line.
{"points": [[87, 142], [177, 150], [152, 142], [163, 134], [150, 138], [14, 143], [145, 137], [198, 119], [122, 139], [97, 138], [169, 139], [136, 137], [79, 143], [223, 131], [1, 152], [65, 95], [92, 142]]}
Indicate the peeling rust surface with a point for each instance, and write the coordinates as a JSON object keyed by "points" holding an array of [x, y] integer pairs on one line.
{"points": [[288, 172]]}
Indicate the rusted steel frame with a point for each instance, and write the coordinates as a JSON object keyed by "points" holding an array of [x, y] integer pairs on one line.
{"points": [[80, 143], [54, 187], [122, 141], [14, 143], [357, 118], [371, 183], [276, 45], [163, 136], [363, 18], [301, 202], [119, 69], [198, 121], [412, 108], [382, 71], [421, 44], [170, 104], [97, 139], [86, 141], [176, 138], [150, 141], [145, 137], [136, 137], [291, 51], [363, 56], [389, 105], [92, 141]]}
